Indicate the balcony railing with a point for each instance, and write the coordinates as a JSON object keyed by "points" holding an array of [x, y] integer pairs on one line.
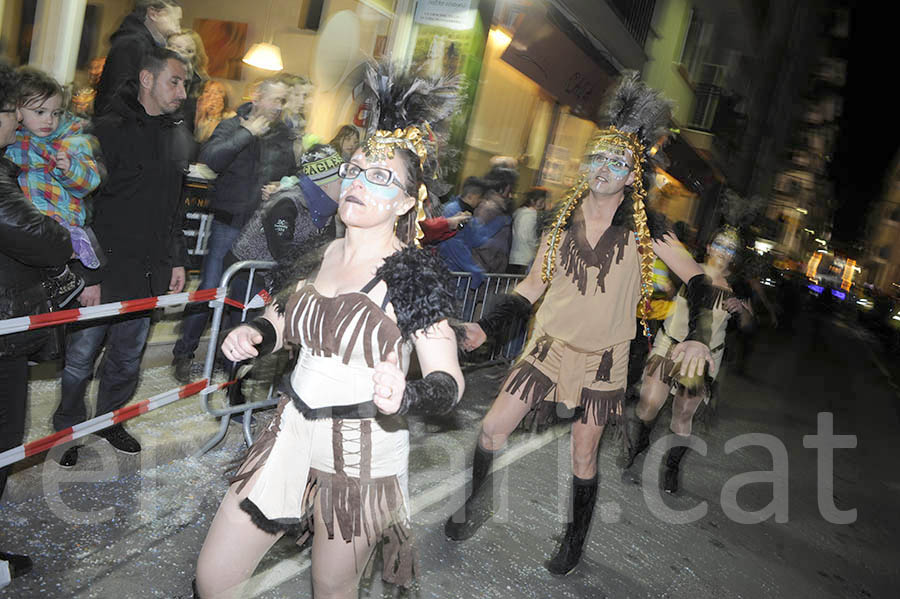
{"points": [[636, 15]]}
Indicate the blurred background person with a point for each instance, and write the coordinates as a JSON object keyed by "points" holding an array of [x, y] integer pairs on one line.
{"points": [[525, 230], [346, 141], [294, 113], [29, 242], [491, 247], [212, 109], [148, 25], [188, 44], [247, 152]]}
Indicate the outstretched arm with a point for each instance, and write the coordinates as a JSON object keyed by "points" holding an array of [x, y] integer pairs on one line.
{"points": [[694, 351]]}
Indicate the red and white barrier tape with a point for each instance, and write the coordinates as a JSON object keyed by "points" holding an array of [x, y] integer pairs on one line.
{"points": [[103, 421], [27, 323]]}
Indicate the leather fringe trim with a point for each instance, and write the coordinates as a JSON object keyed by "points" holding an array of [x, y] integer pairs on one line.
{"points": [[602, 407], [256, 456], [356, 507], [535, 385], [668, 374]]}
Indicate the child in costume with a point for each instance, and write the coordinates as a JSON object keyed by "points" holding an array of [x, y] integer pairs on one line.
{"points": [[333, 462], [661, 372], [593, 268]]}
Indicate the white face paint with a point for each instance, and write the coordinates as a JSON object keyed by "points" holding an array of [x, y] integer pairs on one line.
{"points": [[364, 203]]}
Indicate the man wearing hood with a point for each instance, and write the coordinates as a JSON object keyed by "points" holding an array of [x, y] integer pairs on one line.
{"points": [[138, 223], [148, 26], [248, 151]]}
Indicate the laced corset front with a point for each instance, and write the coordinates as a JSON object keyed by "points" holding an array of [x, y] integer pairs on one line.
{"points": [[342, 338]]}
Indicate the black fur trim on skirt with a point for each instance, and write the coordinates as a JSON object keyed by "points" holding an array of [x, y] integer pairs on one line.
{"points": [[290, 526]]}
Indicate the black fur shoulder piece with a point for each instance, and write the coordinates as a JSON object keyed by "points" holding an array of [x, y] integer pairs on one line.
{"points": [[420, 288]]}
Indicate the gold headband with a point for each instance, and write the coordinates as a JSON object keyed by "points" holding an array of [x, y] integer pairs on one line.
{"points": [[382, 144], [612, 136]]}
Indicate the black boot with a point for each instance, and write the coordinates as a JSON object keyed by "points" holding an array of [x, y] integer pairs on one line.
{"points": [[584, 497], [18, 565], [479, 506], [637, 437], [673, 463]]}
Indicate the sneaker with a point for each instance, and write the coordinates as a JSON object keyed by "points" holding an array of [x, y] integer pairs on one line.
{"points": [[119, 438], [70, 457], [62, 288], [16, 565], [182, 366]]}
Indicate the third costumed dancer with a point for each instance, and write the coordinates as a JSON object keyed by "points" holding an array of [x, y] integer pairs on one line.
{"points": [[661, 372], [593, 268]]}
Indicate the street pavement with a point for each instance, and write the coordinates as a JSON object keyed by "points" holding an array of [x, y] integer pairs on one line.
{"points": [[131, 526]]}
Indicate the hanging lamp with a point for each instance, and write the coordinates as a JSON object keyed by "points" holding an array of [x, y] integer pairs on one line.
{"points": [[265, 55]]}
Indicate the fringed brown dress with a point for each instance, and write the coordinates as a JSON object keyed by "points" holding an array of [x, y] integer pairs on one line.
{"points": [[576, 360], [327, 443]]}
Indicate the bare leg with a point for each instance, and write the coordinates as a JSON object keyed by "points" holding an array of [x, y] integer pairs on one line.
{"points": [[654, 393], [336, 564], [501, 420], [683, 409], [232, 549], [585, 443]]}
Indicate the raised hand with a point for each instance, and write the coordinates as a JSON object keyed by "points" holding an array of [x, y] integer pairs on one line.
{"points": [[390, 382]]}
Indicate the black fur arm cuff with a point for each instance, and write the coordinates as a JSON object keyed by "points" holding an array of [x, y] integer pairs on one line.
{"points": [[698, 294], [268, 332], [505, 317], [436, 393]]}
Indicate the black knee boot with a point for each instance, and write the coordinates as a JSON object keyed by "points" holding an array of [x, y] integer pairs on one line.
{"points": [[673, 464], [480, 503], [637, 437], [584, 497]]}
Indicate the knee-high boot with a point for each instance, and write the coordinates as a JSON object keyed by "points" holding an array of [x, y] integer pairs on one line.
{"points": [[637, 437], [673, 466], [584, 497], [479, 506]]}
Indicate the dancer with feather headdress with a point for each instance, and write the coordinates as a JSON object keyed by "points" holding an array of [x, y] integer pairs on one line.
{"points": [[333, 462], [594, 267]]}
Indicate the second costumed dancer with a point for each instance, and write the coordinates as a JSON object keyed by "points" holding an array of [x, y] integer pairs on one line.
{"points": [[593, 268], [334, 461]]}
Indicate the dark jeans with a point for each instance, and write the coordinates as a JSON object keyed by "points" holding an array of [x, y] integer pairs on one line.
{"points": [[13, 396], [125, 340], [221, 238]]}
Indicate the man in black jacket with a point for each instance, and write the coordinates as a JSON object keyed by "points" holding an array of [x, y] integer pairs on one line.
{"points": [[151, 22], [29, 241], [247, 151], [138, 223]]}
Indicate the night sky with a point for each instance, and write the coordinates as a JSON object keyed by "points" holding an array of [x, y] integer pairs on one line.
{"points": [[868, 140]]}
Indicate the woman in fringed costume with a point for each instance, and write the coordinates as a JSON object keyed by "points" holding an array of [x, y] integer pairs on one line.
{"points": [[661, 374], [333, 461], [593, 268]]}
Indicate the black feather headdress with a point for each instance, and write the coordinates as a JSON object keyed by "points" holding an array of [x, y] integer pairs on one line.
{"points": [[635, 121]]}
